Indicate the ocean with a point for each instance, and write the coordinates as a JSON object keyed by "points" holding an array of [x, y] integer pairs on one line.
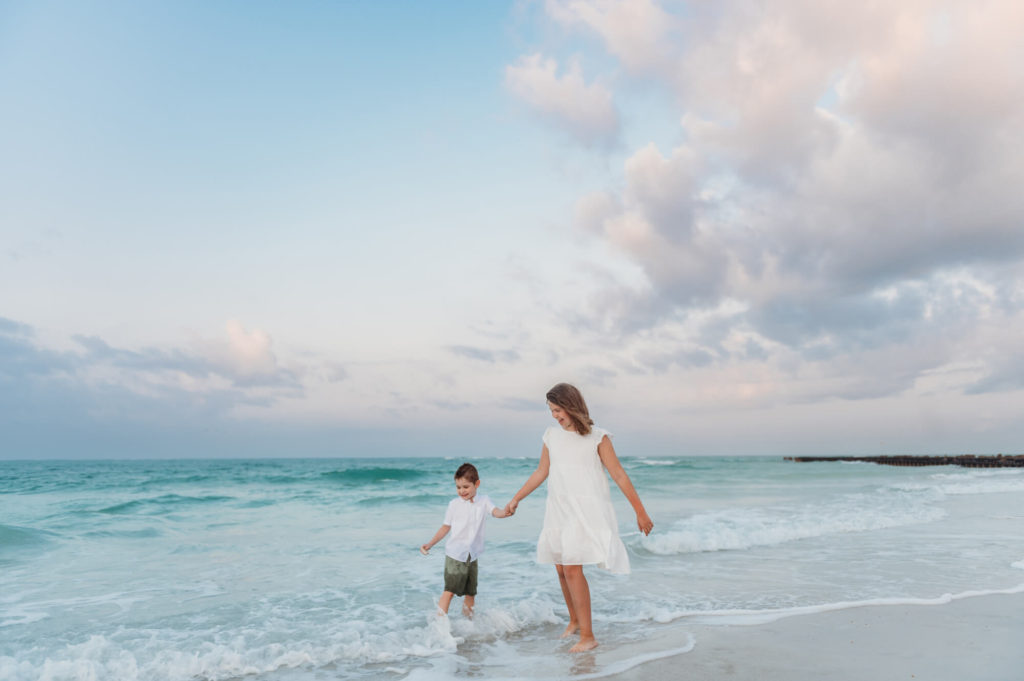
{"points": [[302, 569]]}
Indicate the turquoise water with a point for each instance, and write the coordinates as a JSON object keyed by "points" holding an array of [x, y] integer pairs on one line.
{"points": [[309, 569]]}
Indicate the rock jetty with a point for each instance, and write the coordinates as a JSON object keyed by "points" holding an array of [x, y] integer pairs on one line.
{"points": [[965, 460]]}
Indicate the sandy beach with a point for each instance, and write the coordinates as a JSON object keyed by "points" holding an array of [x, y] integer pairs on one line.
{"points": [[970, 639]]}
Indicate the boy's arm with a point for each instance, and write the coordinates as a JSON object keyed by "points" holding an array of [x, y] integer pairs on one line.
{"points": [[499, 512], [438, 536]]}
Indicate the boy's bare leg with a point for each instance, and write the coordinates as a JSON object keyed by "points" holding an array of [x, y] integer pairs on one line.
{"points": [[446, 600], [573, 622], [579, 589], [468, 604]]}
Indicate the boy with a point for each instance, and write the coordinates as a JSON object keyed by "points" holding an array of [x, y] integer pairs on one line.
{"points": [[465, 518]]}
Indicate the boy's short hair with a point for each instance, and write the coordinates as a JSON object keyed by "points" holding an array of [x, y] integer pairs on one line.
{"points": [[467, 471]]}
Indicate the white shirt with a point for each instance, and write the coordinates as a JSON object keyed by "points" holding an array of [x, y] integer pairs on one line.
{"points": [[466, 518]]}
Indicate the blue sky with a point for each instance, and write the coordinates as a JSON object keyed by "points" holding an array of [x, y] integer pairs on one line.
{"points": [[257, 229]]}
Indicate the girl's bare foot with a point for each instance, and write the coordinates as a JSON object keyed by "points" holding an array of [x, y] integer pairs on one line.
{"points": [[570, 630], [584, 644]]}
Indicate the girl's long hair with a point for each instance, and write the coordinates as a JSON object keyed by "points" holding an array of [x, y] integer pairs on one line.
{"points": [[569, 398]]}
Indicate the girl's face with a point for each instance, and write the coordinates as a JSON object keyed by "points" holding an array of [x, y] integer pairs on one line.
{"points": [[561, 415]]}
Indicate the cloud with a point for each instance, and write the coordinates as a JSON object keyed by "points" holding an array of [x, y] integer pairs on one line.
{"points": [[586, 112], [451, 405], [9, 327], [244, 359], [98, 351], [521, 404], [247, 358], [638, 32], [846, 179], [21, 358], [103, 384], [484, 355], [1006, 376]]}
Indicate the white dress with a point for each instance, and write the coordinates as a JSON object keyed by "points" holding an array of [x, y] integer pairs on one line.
{"points": [[580, 527]]}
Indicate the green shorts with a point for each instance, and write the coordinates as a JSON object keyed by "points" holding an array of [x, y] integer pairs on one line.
{"points": [[460, 576]]}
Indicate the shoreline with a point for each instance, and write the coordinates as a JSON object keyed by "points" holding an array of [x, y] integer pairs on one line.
{"points": [[972, 637], [962, 460]]}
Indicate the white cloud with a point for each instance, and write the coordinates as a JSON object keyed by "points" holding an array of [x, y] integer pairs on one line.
{"points": [[848, 173], [248, 353], [586, 112], [638, 32]]}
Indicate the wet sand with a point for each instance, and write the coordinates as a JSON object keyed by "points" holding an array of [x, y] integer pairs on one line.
{"points": [[978, 638]]}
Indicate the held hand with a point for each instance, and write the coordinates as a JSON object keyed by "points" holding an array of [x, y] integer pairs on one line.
{"points": [[425, 549], [510, 507], [644, 522]]}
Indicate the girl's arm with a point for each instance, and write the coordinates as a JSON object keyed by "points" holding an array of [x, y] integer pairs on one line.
{"points": [[539, 475], [499, 512], [610, 459], [437, 537]]}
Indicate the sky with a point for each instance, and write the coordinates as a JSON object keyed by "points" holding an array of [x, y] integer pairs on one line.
{"points": [[247, 229]]}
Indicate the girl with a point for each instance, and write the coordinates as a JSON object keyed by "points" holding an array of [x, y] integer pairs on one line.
{"points": [[579, 521]]}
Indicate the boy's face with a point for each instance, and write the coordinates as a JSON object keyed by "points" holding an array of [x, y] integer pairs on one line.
{"points": [[465, 488]]}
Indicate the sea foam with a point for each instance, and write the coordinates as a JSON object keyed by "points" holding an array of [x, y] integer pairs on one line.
{"points": [[743, 528]]}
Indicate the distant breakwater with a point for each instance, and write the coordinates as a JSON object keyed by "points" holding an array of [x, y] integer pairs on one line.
{"points": [[965, 460]]}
